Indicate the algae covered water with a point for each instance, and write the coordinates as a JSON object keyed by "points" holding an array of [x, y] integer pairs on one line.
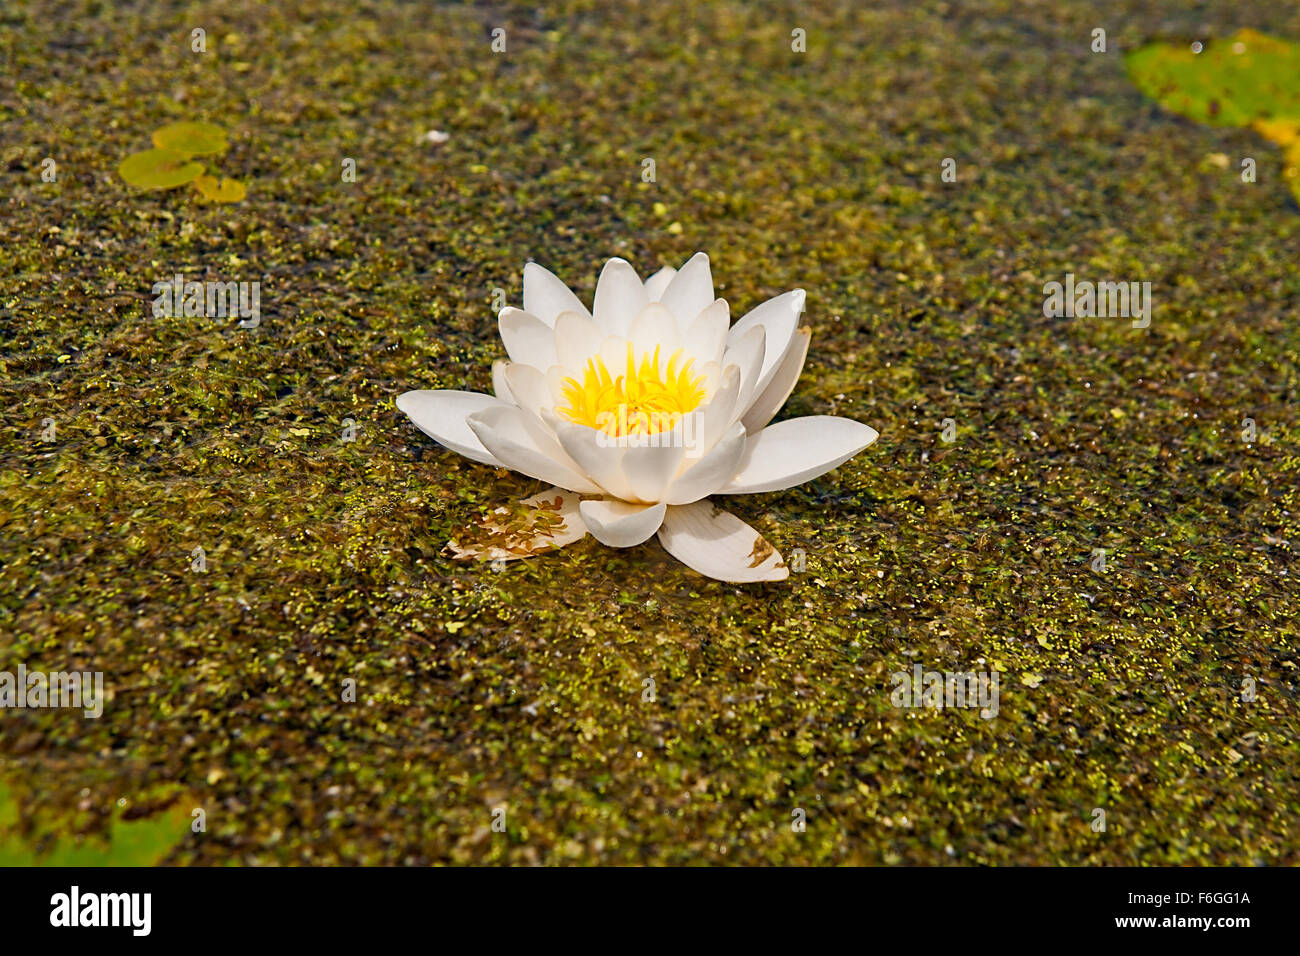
{"points": [[1049, 617]]}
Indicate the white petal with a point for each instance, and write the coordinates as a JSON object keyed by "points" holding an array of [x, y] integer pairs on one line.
{"points": [[613, 352], [797, 450], [706, 335], [711, 374], [711, 472], [780, 317], [528, 387], [555, 379], [534, 398], [620, 297], [577, 339], [599, 456], [746, 353], [513, 440], [500, 387], [655, 285], [441, 415], [691, 290], [545, 296], [619, 524], [655, 326], [712, 418], [527, 338], [762, 408], [490, 540], [720, 545], [651, 462]]}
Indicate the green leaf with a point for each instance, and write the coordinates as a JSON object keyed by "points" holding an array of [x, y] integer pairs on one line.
{"points": [[188, 137], [225, 190], [1232, 82], [1248, 79], [144, 842], [159, 169], [12, 850]]}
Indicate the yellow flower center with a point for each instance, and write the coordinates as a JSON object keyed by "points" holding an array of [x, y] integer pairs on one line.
{"points": [[644, 400]]}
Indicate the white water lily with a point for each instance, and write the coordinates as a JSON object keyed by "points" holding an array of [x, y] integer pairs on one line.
{"points": [[639, 410]]}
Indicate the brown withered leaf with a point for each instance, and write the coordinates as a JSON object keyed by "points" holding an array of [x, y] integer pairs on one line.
{"points": [[543, 522]]}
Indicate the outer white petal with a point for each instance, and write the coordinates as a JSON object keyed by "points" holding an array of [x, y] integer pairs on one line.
{"points": [[649, 467], [691, 290], [780, 317], [762, 408], [441, 415], [655, 285], [705, 337], [704, 477], [500, 387], [797, 450], [527, 338], [719, 544], [599, 458], [577, 338], [620, 297], [619, 524], [513, 439], [545, 296]]}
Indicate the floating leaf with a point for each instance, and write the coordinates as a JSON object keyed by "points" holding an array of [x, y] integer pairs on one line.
{"points": [[1284, 132], [543, 522], [188, 137], [159, 169], [1246, 77], [225, 190], [1291, 169], [1249, 79], [143, 842]]}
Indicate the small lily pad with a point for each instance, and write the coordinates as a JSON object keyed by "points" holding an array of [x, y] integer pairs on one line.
{"points": [[1291, 168], [224, 190], [1248, 79], [188, 137], [1236, 80], [159, 169], [1284, 132]]}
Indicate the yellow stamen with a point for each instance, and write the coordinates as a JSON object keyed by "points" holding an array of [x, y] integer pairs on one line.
{"points": [[644, 400]]}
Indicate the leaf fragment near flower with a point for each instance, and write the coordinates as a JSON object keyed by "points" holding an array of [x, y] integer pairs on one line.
{"points": [[541, 523]]}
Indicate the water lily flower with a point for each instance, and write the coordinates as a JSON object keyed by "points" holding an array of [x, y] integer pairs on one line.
{"points": [[636, 412]]}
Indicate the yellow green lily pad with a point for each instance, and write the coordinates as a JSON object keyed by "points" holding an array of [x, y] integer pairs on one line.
{"points": [[1284, 132], [159, 169], [224, 190], [1248, 79], [141, 842], [1234, 81], [191, 137], [1291, 168]]}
